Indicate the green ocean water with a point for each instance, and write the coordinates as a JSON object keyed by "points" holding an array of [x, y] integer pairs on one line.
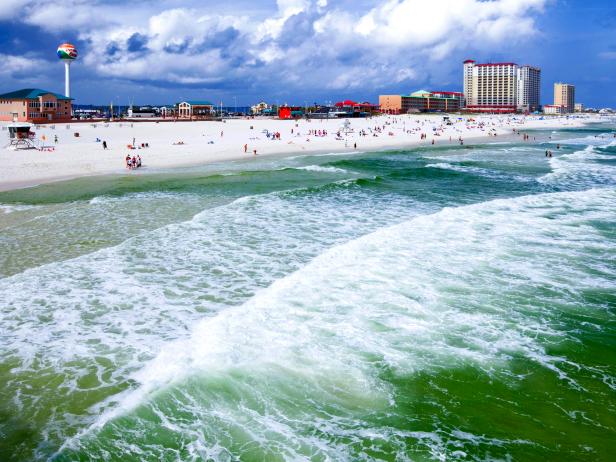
{"points": [[448, 303]]}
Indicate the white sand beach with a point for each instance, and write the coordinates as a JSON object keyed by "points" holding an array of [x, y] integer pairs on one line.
{"points": [[177, 144]]}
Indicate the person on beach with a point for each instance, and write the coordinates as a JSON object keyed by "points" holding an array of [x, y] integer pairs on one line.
{"points": [[134, 162], [55, 139], [254, 152], [104, 145], [128, 162], [245, 148], [138, 161]]}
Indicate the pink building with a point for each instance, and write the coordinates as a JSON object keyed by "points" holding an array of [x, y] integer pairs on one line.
{"points": [[36, 106]]}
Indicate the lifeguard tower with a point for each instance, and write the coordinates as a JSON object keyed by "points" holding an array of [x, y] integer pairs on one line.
{"points": [[21, 136]]}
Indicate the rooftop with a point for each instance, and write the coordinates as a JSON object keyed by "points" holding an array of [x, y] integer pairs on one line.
{"points": [[32, 93], [198, 102], [497, 64], [449, 92], [421, 93]]}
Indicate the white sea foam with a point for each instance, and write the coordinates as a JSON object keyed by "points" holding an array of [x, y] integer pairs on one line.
{"points": [[460, 168], [12, 208], [579, 169], [591, 140], [435, 292], [322, 168], [124, 303], [484, 172]]}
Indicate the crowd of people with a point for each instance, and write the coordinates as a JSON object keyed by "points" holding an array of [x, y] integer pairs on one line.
{"points": [[272, 135], [133, 162]]}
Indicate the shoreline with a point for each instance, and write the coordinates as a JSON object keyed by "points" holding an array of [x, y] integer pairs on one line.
{"points": [[34, 168], [15, 186]]}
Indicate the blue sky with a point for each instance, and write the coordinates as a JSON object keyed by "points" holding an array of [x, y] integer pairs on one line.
{"points": [[292, 51]]}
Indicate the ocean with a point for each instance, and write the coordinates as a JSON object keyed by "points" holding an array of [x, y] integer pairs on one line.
{"points": [[436, 303]]}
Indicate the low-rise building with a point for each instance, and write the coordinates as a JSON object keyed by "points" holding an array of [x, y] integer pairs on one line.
{"points": [[258, 109], [194, 109], [36, 106], [554, 109], [290, 112], [143, 112], [391, 104], [454, 99], [355, 109], [168, 111], [579, 107], [421, 101], [87, 113]]}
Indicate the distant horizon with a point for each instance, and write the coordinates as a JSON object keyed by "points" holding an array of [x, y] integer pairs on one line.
{"points": [[293, 51]]}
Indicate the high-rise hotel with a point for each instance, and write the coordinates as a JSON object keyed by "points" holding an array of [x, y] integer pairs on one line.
{"points": [[501, 87]]}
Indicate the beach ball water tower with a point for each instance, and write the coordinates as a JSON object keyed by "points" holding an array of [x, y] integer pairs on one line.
{"points": [[67, 54]]}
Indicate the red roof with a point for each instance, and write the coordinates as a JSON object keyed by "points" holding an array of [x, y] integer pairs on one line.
{"points": [[469, 61], [492, 105], [346, 102], [497, 64], [459, 93]]}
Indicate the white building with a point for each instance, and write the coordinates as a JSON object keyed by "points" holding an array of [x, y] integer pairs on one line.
{"points": [[501, 87], [469, 65], [553, 109], [529, 88], [194, 109], [259, 108]]}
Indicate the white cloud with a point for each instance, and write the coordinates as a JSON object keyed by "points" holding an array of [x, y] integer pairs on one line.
{"points": [[16, 64], [63, 16], [10, 8], [309, 43]]}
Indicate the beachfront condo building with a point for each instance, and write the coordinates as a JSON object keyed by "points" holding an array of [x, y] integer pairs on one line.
{"points": [[421, 101], [564, 95], [35, 105], [529, 88], [501, 87]]}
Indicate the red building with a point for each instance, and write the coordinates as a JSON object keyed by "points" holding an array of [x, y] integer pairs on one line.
{"points": [[356, 108], [290, 112], [284, 113]]}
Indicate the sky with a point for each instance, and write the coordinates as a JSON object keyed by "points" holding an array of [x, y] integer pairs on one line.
{"points": [[300, 51]]}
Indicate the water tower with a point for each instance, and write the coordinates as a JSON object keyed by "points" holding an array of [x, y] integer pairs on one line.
{"points": [[67, 53]]}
